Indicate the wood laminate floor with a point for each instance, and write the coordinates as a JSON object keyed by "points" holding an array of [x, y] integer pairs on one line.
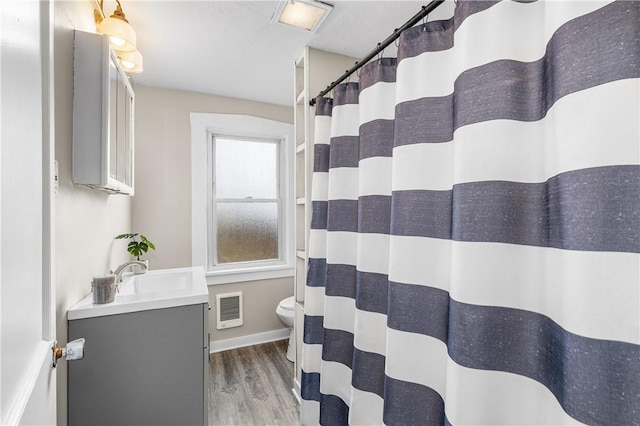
{"points": [[252, 386]]}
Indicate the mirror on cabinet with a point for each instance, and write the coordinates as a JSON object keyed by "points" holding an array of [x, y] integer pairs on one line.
{"points": [[120, 131], [103, 117]]}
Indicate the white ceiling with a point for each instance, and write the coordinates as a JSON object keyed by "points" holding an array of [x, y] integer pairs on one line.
{"points": [[232, 48]]}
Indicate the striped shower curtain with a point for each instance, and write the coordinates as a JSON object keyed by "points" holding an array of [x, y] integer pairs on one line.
{"points": [[474, 251]]}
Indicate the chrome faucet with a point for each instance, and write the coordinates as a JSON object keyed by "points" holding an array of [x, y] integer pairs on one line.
{"points": [[120, 269]]}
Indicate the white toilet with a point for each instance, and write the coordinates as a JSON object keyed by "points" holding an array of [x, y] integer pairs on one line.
{"points": [[285, 312]]}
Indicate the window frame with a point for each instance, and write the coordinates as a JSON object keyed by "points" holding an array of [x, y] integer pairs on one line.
{"points": [[213, 200], [242, 126]]}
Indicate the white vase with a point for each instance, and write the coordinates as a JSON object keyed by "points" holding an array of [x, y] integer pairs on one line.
{"points": [[137, 269]]}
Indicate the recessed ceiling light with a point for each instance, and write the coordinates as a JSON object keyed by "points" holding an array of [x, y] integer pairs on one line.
{"points": [[305, 14]]}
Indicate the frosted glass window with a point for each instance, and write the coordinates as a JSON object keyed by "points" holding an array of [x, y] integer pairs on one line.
{"points": [[246, 201], [247, 232], [246, 169]]}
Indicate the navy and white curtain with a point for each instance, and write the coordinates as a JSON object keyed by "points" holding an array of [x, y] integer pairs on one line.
{"points": [[474, 249]]}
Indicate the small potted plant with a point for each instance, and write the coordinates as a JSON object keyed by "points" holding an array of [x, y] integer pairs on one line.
{"points": [[137, 247]]}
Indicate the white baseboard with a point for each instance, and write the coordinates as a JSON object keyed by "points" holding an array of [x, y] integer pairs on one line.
{"points": [[250, 340]]}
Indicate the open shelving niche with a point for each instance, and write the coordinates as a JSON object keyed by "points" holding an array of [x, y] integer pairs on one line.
{"points": [[313, 71]]}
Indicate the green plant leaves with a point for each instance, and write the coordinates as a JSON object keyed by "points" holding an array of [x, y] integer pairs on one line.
{"points": [[123, 236], [137, 248], [149, 244]]}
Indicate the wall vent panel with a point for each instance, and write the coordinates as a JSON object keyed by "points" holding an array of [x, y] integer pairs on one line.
{"points": [[228, 310]]}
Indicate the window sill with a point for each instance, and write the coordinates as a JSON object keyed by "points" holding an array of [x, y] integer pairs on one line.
{"points": [[231, 276]]}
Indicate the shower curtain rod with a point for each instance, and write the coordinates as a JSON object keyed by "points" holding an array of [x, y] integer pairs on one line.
{"points": [[381, 46]]}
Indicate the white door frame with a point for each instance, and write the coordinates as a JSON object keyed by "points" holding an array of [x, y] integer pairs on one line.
{"points": [[49, 178], [35, 402]]}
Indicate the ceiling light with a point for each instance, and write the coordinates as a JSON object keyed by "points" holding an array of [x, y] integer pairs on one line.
{"points": [[121, 34], [305, 14]]}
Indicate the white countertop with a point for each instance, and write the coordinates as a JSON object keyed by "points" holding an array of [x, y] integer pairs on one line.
{"points": [[156, 289]]}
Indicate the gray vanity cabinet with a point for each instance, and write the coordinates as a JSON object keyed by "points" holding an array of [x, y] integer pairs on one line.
{"points": [[141, 368]]}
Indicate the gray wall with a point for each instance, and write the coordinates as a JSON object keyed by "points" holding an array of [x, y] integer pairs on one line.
{"points": [[162, 204], [86, 220]]}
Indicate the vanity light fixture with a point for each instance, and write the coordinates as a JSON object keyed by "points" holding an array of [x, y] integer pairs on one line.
{"points": [[305, 14], [120, 32], [130, 61], [122, 37]]}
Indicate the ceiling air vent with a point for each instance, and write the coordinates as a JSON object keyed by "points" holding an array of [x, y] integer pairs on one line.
{"points": [[229, 310]]}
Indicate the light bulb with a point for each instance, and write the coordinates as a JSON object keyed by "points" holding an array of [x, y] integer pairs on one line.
{"points": [[128, 64], [117, 41], [131, 62]]}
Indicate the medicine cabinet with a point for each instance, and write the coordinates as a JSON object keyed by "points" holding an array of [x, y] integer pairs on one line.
{"points": [[103, 117]]}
